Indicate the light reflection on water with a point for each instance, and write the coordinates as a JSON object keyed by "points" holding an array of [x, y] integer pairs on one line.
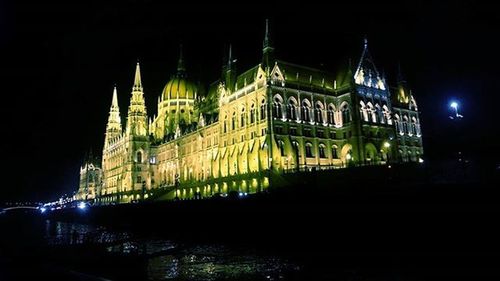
{"points": [[167, 260], [217, 263], [62, 233]]}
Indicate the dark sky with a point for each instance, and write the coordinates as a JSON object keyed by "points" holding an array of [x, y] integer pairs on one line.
{"points": [[61, 60]]}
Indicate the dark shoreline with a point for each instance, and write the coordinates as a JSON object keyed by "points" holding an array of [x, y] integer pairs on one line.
{"points": [[413, 230]]}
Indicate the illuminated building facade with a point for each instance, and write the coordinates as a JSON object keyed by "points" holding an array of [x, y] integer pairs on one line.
{"points": [[90, 179], [273, 118]]}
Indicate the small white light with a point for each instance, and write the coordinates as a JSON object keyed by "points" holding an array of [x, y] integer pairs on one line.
{"points": [[387, 145], [82, 205], [454, 105], [42, 209], [241, 193], [420, 160]]}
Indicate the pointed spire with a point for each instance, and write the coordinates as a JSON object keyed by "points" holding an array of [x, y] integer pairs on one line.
{"points": [[137, 80], [230, 56], [181, 67], [267, 49], [267, 41], [114, 127], [366, 69], [114, 101], [137, 115]]}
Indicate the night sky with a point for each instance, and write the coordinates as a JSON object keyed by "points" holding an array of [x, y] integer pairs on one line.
{"points": [[61, 60]]}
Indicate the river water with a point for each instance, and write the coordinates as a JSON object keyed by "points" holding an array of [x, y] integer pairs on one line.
{"points": [[171, 260], [33, 247], [163, 259]]}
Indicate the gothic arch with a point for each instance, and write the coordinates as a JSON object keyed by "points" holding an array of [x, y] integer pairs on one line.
{"points": [[380, 114], [363, 110], [345, 110], [322, 150], [345, 151], [330, 115], [306, 110], [278, 106], [371, 112], [370, 153], [405, 124], [387, 114], [318, 112], [292, 108], [397, 121]]}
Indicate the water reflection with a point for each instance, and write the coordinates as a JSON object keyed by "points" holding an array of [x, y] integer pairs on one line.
{"points": [[218, 263], [63, 233], [169, 260]]}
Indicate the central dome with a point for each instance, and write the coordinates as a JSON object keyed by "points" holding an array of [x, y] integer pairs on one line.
{"points": [[179, 88]]}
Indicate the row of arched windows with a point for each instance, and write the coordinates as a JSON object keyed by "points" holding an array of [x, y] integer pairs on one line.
{"points": [[309, 151], [305, 112], [407, 126], [375, 113], [251, 117]]}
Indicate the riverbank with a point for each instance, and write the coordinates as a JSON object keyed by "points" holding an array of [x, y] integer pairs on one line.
{"points": [[371, 230]]}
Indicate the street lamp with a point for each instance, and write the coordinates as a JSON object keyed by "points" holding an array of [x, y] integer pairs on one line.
{"points": [[458, 116], [455, 106]]}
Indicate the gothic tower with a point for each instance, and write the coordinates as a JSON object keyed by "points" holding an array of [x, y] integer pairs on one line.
{"points": [[136, 172], [267, 49], [114, 126], [137, 117]]}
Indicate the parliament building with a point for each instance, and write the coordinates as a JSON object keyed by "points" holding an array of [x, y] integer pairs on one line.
{"points": [[275, 118]]}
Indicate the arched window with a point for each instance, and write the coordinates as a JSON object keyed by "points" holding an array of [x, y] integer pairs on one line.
{"points": [[278, 107], [296, 148], [335, 154], [372, 112], [233, 121], [330, 115], [309, 151], [346, 114], [405, 125], [363, 111], [401, 156], [387, 114], [281, 146], [397, 122], [322, 153], [243, 117], [252, 114], [225, 124], [263, 110], [319, 113], [380, 114], [139, 157], [139, 179], [418, 132], [414, 125], [306, 108], [292, 109]]}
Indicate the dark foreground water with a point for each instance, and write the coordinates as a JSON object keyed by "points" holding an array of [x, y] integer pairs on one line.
{"points": [[443, 234], [166, 259], [34, 246]]}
